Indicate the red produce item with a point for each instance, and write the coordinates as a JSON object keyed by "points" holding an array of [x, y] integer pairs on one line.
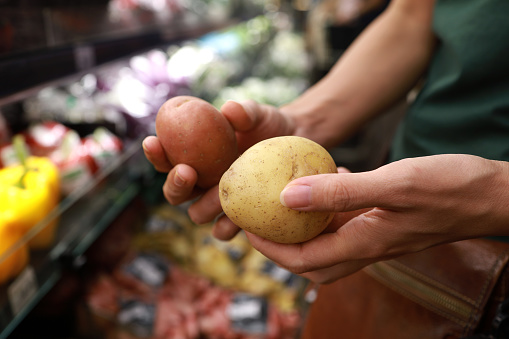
{"points": [[185, 286], [176, 319], [102, 298], [44, 138], [102, 146], [77, 167]]}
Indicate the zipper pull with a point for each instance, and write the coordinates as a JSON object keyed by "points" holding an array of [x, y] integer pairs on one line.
{"points": [[500, 323]]}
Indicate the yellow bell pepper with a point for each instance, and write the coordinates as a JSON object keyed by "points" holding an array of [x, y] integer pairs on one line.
{"points": [[28, 193], [14, 255]]}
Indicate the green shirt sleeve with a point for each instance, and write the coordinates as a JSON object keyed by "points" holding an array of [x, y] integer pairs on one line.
{"points": [[464, 104]]}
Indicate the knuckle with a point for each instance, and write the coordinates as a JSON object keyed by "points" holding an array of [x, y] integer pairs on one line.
{"points": [[172, 196], [298, 268], [301, 264], [340, 197], [372, 237], [380, 243]]}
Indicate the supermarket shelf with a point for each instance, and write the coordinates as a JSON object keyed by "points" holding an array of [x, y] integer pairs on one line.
{"points": [[23, 294], [24, 74], [83, 217], [24, 71], [99, 203]]}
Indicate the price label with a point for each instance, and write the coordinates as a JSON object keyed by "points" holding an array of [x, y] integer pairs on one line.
{"points": [[137, 316], [158, 224], [248, 314], [277, 273], [152, 269], [22, 290]]}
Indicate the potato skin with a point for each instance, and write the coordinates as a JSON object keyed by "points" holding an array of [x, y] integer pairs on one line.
{"points": [[195, 133], [249, 190]]}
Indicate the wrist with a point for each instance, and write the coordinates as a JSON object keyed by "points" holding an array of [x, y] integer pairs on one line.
{"points": [[319, 118], [500, 199]]}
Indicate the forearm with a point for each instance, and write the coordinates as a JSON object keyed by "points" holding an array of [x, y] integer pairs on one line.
{"points": [[379, 69]]}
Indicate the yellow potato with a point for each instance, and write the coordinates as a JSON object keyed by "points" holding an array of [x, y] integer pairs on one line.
{"points": [[249, 190]]}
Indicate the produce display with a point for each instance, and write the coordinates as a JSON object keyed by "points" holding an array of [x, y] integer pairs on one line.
{"points": [[40, 166], [78, 158], [185, 306], [29, 191], [195, 133], [249, 190], [177, 281], [261, 59], [231, 264]]}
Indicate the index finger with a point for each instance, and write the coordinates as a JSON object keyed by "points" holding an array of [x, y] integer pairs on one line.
{"points": [[154, 152]]}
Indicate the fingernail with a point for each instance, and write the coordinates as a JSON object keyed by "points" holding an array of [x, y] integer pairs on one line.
{"points": [[296, 196], [178, 180]]}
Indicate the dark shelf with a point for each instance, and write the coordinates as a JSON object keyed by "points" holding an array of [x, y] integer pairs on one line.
{"points": [[70, 53]]}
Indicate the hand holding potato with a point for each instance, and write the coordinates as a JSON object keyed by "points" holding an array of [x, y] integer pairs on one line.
{"points": [[252, 122], [391, 211]]}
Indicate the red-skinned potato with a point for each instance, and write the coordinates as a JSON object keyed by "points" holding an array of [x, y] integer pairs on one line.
{"points": [[195, 133]]}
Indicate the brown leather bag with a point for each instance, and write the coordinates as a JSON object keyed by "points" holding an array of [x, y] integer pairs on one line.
{"points": [[448, 291]]}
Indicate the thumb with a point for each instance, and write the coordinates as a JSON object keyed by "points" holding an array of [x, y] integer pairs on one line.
{"points": [[339, 192], [242, 116], [255, 122]]}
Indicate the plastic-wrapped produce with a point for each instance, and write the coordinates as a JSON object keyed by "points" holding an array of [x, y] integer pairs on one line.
{"points": [[185, 306], [205, 289], [274, 91], [169, 232], [220, 261]]}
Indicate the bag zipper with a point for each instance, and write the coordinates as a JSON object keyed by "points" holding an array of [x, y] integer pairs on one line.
{"points": [[424, 290]]}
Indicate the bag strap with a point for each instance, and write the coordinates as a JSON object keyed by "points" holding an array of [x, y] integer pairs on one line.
{"points": [[428, 292], [454, 280]]}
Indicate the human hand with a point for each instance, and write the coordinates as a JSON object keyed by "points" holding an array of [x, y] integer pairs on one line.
{"points": [[252, 122], [403, 207]]}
